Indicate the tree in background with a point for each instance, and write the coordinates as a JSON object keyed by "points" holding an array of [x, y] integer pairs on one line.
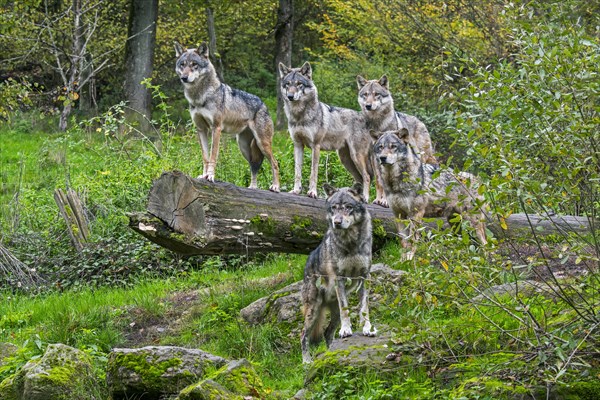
{"points": [[284, 31], [139, 62]]}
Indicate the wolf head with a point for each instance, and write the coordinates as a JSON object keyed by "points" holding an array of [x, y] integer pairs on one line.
{"points": [[392, 146], [345, 206], [296, 82], [192, 64], [373, 94]]}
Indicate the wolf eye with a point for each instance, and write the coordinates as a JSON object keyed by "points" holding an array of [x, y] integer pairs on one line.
{"points": [[393, 146]]}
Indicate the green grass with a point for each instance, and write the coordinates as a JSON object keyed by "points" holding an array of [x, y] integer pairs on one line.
{"points": [[122, 285]]}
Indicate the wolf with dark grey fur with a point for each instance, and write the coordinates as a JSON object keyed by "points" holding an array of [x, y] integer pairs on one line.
{"points": [[216, 107], [377, 106], [319, 126], [416, 190], [339, 265]]}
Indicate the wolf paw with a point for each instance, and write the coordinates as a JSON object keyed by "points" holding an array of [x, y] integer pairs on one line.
{"points": [[346, 331], [312, 194], [274, 188], [208, 177], [381, 202], [295, 191], [408, 256], [368, 330]]}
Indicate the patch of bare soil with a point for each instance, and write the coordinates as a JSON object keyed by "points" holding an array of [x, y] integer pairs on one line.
{"points": [[145, 329]]}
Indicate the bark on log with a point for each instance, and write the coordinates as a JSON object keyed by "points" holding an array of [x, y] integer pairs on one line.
{"points": [[193, 217]]}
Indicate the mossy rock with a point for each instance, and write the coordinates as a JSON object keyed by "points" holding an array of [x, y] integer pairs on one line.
{"points": [[208, 390], [236, 380], [7, 389], [63, 373], [240, 377], [156, 371], [7, 350], [357, 353]]}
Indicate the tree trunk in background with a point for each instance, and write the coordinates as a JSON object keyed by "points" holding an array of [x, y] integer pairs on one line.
{"points": [[139, 62], [77, 53], [215, 58], [284, 31]]}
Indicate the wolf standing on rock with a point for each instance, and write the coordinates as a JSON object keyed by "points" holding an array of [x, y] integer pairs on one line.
{"points": [[377, 105], [339, 265], [319, 126], [216, 107]]}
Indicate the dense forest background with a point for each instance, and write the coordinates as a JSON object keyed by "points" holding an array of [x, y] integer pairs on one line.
{"points": [[509, 90]]}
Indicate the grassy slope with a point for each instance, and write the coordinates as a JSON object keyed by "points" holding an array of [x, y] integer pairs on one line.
{"points": [[450, 349]]}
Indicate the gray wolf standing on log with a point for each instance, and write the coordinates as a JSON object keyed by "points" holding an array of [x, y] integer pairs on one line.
{"points": [[339, 265], [377, 105], [415, 189], [322, 127], [215, 107]]}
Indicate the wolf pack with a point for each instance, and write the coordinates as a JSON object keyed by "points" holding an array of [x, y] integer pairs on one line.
{"points": [[376, 144]]}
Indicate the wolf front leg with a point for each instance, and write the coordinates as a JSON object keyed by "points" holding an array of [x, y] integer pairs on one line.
{"points": [[404, 231], [214, 153], [363, 295], [314, 171], [203, 139], [298, 157], [340, 290]]}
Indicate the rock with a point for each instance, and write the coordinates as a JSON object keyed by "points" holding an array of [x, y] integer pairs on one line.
{"points": [[155, 371], [6, 350], [356, 352], [284, 305], [63, 373], [208, 390], [236, 381]]}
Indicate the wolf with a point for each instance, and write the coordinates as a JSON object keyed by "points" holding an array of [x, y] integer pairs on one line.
{"points": [[340, 264], [216, 107], [415, 189], [322, 127], [377, 106]]}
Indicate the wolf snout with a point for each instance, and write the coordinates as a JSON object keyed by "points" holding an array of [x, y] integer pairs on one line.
{"points": [[383, 159], [290, 97], [184, 79], [368, 106], [337, 222]]}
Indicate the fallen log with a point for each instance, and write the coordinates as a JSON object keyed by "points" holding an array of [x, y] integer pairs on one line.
{"points": [[193, 217]]}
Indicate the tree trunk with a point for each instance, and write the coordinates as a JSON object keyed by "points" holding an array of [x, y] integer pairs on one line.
{"points": [[284, 31], [212, 42], [77, 53], [192, 216], [139, 62]]}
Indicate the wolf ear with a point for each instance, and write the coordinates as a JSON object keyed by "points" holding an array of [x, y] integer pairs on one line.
{"points": [[330, 190], [203, 49], [283, 70], [306, 70], [383, 81], [375, 134], [360, 81], [179, 50], [402, 134], [357, 190]]}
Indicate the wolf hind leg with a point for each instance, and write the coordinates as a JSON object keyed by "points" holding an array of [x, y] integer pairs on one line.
{"points": [[251, 153], [357, 169], [263, 131], [314, 316], [334, 323]]}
